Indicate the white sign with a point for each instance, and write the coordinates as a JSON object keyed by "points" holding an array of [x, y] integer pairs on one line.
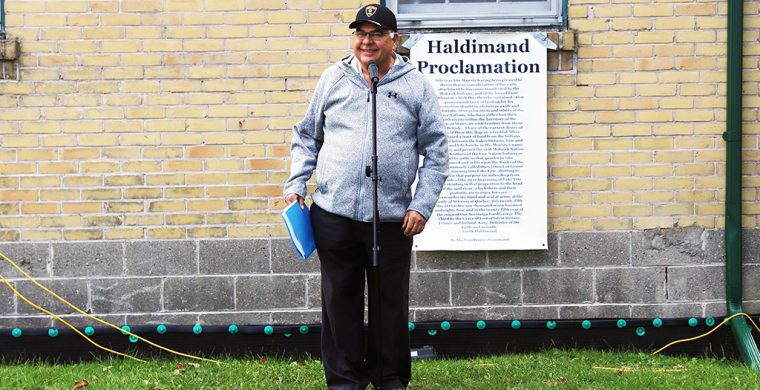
{"points": [[492, 92]]}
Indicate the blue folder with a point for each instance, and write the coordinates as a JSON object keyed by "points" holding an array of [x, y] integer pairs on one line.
{"points": [[298, 223]]}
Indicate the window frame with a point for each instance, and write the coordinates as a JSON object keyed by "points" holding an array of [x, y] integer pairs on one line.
{"points": [[2, 19], [551, 17]]}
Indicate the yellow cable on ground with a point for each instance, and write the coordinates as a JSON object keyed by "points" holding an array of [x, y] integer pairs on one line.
{"points": [[69, 304], [42, 309], [708, 333]]}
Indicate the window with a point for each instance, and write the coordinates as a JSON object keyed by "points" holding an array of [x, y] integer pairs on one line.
{"points": [[476, 13]]}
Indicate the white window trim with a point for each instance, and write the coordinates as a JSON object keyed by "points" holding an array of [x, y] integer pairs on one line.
{"points": [[550, 17]]}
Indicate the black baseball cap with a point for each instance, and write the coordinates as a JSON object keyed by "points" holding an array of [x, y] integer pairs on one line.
{"points": [[375, 14]]}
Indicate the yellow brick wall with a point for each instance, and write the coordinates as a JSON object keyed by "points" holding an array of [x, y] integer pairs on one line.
{"points": [[170, 119], [635, 131], [156, 119]]}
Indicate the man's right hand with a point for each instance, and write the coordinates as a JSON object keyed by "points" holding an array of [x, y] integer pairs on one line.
{"points": [[290, 198]]}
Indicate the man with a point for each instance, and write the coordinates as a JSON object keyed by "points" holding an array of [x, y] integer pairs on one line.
{"points": [[335, 137]]}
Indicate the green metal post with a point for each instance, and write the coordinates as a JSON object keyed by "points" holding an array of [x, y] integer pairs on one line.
{"points": [[733, 136]]}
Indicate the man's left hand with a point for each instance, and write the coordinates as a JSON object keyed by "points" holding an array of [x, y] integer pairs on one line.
{"points": [[414, 223]]}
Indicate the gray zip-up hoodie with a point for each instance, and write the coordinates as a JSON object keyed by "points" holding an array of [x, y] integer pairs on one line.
{"points": [[335, 137]]}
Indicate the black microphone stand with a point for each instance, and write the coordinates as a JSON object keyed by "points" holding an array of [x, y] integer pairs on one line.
{"points": [[372, 173]]}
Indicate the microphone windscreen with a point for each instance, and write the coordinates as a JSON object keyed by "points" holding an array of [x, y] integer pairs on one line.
{"points": [[373, 72]]}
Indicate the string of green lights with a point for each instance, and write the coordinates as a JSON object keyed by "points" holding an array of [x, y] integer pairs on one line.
{"points": [[432, 328]]}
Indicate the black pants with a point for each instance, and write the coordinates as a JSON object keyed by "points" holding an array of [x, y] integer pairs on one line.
{"points": [[349, 354]]}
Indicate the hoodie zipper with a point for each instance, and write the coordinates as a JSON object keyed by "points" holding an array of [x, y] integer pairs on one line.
{"points": [[368, 135], [359, 205]]}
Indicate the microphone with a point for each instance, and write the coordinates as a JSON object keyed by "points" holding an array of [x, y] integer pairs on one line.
{"points": [[373, 72]]}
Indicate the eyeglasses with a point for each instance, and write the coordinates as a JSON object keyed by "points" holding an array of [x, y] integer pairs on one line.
{"points": [[374, 35]]}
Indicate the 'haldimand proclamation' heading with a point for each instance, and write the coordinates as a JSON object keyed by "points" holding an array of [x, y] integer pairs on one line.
{"points": [[472, 46]]}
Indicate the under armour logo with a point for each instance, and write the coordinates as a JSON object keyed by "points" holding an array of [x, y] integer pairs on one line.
{"points": [[393, 95]]}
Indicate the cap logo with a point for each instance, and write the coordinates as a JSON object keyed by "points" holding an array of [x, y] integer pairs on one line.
{"points": [[370, 10]]}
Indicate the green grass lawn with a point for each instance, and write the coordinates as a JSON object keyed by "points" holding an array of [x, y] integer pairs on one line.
{"points": [[567, 369]]}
